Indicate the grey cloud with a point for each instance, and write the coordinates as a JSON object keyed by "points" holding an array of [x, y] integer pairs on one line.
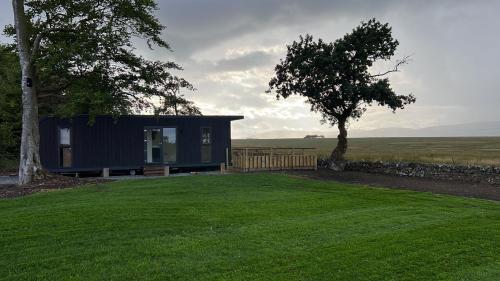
{"points": [[246, 61], [254, 59], [230, 96], [198, 24]]}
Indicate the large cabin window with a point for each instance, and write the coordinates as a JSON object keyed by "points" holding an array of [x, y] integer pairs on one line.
{"points": [[169, 145], [160, 145], [206, 145], [65, 152]]}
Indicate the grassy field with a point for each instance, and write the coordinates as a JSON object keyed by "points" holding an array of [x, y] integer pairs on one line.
{"points": [[470, 150], [247, 227]]}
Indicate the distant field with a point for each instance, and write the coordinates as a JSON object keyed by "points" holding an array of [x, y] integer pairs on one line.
{"points": [[471, 150]]}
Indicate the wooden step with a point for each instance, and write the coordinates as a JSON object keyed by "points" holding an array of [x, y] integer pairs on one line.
{"points": [[154, 170]]}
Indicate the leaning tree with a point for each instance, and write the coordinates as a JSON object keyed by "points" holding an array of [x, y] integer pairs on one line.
{"points": [[336, 80], [78, 56]]}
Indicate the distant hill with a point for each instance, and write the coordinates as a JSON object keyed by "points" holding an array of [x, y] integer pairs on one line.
{"points": [[478, 129]]}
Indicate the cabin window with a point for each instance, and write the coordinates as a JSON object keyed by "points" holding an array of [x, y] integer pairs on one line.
{"points": [[65, 152], [206, 144], [169, 145], [160, 145]]}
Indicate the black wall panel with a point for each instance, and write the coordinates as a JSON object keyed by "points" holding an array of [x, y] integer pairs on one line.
{"points": [[118, 143]]}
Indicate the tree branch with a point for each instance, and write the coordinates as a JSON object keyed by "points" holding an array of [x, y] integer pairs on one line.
{"points": [[41, 35], [54, 89], [48, 95], [36, 45], [399, 63]]}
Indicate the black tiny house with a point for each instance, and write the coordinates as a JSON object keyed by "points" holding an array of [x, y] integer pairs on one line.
{"points": [[134, 142]]}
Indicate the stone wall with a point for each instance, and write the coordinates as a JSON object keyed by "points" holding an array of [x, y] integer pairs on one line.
{"points": [[482, 174]]}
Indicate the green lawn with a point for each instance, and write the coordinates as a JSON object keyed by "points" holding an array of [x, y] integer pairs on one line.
{"points": [[466, 150], [247, 227]]}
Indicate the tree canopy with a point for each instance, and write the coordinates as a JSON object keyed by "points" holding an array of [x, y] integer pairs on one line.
{"points": [[85, 57], [172, 102], [10, 103], [79, 56], [336, 79]]}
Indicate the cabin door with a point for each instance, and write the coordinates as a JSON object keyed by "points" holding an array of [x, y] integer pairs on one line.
{"points": [[160, 145]]}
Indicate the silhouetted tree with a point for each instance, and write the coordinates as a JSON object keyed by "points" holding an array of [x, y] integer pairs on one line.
{"points": [[172, 102], [335, 77]]}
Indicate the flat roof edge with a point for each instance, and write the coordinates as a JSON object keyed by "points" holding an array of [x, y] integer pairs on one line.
{"points": [[230, 117]]}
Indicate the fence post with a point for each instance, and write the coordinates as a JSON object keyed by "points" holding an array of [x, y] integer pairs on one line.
{"points": [[166, 171], [293, 158], [246, 160], [271, 166]]}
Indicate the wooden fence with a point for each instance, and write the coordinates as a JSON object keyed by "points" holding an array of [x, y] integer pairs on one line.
{"points": [[270, 159]]}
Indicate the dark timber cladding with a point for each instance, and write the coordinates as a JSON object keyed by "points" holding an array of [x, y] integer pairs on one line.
{"points": [[132, 142]]}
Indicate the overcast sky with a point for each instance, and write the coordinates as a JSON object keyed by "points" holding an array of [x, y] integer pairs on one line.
{"points": [[228, 49]]}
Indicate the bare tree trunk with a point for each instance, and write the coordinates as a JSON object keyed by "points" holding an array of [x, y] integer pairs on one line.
{"points": [[175, 103], [337, 160], [30, 167], [175, 108]]}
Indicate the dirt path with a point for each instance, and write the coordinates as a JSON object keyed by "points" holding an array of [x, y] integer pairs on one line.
{"points": [[7, 180], [475, 190]]}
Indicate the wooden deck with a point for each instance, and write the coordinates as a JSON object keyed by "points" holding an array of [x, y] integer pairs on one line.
{"points": [[273, 159]]}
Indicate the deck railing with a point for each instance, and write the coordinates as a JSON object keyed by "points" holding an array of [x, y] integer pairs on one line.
{"points": [[248, 159]]}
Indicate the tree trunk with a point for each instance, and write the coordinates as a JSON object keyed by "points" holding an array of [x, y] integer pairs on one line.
{"points": [[337, 160], [30, 167], [175, 104], [175, 108]]}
